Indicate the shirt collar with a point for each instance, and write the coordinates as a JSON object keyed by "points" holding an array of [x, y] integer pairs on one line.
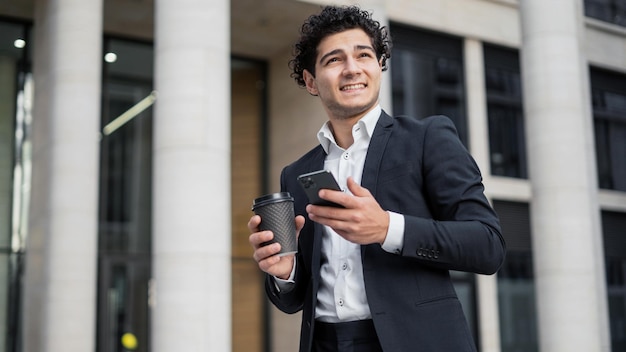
{"points": [[325, 135]]}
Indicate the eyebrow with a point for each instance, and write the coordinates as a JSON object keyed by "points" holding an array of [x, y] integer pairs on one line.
{"points": [[357, 47]]}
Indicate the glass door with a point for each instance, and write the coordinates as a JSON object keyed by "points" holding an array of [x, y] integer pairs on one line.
{"points": [[124, 247], [123, 301]]}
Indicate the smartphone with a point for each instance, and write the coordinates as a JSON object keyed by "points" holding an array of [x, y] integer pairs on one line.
{"points": [[314, 181]]}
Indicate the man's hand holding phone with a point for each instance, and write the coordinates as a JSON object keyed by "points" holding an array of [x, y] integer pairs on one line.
{"points": [[358, 217]]}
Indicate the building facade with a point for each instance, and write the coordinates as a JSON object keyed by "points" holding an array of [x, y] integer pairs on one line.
{"points": [[135, 134]]}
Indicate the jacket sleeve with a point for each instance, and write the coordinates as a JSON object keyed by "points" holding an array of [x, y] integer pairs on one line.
{"points": [[464, 232], [291, 301]]}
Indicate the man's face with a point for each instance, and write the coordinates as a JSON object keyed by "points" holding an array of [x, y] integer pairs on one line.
{"points": [[347, 76]]}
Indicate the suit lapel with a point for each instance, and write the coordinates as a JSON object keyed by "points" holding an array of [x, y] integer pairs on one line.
{"points": [[374, 157], [316, 162], [369, 179], [375, 152]]}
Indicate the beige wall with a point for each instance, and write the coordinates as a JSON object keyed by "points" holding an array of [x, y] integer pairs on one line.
{"points": [[605, 45], [294, 118]]}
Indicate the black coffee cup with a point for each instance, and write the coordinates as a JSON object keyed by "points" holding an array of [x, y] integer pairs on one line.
{"points": [[277, 215]]}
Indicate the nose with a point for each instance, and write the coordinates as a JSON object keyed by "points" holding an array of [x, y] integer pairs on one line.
{"points": [[351, 66]]}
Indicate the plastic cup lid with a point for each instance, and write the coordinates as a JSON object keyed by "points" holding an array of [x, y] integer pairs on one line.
{"points": [[271, 198]]}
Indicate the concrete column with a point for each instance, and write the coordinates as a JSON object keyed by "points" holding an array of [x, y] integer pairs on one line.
{"points": [[567, 239], [487, 286], [191, 190], [61, 251], [477, 121]]}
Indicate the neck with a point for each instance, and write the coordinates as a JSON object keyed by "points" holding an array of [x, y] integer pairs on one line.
{"points": [[342, 131], [341, 127]]}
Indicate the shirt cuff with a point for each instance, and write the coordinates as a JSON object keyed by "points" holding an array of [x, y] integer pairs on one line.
{"points": [[395, 234], [286, 285]]}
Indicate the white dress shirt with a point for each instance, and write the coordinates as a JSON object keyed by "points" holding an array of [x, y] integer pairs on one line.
{"points": [[341, 295]]}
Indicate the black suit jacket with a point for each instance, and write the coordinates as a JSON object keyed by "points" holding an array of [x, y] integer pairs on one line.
{"points": [[418, 168]]}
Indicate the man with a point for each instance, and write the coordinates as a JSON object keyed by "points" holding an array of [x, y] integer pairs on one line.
{"points": [[374, 275]]}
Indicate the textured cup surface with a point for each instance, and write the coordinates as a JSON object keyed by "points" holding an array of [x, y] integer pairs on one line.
{"points": [[277, 215]]}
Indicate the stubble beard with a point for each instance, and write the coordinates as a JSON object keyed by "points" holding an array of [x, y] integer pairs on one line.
{"points": [[343, 112]]}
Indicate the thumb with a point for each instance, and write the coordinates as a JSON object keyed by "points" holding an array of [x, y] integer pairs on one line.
{"points": [[356, 189], [299, 224]]}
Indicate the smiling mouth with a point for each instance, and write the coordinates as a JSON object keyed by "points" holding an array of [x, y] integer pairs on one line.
{"points": [[353, 87]]}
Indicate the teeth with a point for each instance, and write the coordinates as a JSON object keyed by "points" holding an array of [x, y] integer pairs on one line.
{"points": [[353, 86]]}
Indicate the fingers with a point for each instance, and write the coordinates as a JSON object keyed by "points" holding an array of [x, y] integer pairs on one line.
{"points": [[258, 239], [338, 197], [299, 224], [345, 199], [362, 220], [356, 189], [316, 212], [253, 223], [266, 255], [269, 261]]}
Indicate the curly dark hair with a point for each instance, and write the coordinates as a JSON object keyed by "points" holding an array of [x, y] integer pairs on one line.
{"points": [[331, 20]]}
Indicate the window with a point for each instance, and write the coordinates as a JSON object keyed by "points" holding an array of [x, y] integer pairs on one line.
{"points": [[612, 11], [125, 197], [516, 286], [16, 92], [505, 114], [427, 79], [427, 76], [608, 92], [614, 228]]}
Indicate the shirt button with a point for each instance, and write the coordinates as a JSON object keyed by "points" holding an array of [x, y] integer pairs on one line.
{"points": [[340, 302], [346, 156], [344, 266]]}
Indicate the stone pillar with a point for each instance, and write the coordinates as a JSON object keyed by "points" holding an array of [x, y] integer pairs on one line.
{"points": [[61, 251], [191, 189], [477, 120], [566, 235], [486, 286]]}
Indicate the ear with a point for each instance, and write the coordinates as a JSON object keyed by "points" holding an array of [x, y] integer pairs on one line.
{"points": [[309, 80]]}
